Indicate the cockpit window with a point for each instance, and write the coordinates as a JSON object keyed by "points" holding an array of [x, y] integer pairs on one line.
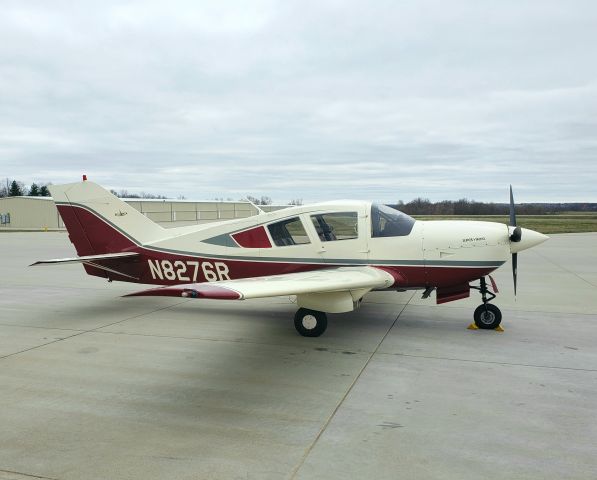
{"points": [[336, 226], [388, 222], [288, 232]]}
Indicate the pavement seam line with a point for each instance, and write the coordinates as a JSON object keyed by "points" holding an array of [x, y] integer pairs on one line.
{"points": [[89, 331], [489, 362], [98, 330], [339, 404], [565, 269], [30, 475], [224, 340], [507, 308], [41, 328]]}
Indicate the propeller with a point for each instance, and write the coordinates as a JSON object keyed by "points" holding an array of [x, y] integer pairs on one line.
{"points": [[516, 236]]}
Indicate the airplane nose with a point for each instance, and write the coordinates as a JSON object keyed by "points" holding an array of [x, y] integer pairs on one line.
{"points": [[528, 239]]}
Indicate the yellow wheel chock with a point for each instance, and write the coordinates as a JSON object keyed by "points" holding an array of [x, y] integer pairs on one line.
{"points": [[472, 326]]}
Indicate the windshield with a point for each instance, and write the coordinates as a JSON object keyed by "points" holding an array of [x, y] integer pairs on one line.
{"points": [[388, 222]]}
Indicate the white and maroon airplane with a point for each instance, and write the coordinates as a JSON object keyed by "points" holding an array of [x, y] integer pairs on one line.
{"points": [[330, 255]]}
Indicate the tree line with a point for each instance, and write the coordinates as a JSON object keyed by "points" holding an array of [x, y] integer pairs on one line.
{"points": [[418, 206], [18, 189], [127, 194], [423, 206]]}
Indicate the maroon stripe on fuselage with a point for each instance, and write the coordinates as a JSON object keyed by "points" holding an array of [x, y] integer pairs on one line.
{"points": [[177, 269], [411, 276]]}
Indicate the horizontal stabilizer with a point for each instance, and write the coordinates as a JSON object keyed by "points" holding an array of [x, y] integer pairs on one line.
{"points": [[86, 259]]}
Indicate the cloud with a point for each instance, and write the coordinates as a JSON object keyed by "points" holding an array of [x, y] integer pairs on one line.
{"points": [[318, 100]]}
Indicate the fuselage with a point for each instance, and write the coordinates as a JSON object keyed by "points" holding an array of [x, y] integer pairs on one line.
{"points": [[418, 254]]}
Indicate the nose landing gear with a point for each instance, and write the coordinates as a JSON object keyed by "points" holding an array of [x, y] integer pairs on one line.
{"points": [[487, 316]]}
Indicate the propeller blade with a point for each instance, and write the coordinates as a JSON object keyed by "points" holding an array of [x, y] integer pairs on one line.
{"points": [[514, 269], [515, 237], [517, 232], [512, 212]]}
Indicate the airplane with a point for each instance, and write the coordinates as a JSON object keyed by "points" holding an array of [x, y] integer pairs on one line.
{"points": [[329, 255]]}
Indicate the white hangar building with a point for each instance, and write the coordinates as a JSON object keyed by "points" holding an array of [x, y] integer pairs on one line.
{"points": [[40, 213]]}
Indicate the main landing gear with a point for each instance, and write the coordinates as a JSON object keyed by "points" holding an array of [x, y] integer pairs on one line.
{"points": [[487, 316], [310, 323]]}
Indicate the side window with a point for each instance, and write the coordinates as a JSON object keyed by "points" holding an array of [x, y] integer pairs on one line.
{"points": [[288, 232], [336, 226]]}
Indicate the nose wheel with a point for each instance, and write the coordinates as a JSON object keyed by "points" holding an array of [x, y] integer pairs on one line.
{"points": [[487, 316]]}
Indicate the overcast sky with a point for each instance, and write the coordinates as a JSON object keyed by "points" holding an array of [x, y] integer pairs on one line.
{"points": [[381, 100]]}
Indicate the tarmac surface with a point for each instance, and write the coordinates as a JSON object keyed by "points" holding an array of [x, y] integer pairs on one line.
{"points": [[95, 386]]}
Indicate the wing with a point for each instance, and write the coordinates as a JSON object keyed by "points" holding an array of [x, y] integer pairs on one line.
{"points": [[341, 279]]}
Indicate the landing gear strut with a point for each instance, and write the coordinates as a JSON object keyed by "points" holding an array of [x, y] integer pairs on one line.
{"points": [[310, 323], [487, 316]]}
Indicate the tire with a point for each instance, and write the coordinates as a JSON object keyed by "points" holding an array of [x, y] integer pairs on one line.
{"points": [[488, 317], [310, 323]]}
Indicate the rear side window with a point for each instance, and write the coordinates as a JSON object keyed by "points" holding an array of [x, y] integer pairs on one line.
{"points": [[288, 232], [336, 226]]}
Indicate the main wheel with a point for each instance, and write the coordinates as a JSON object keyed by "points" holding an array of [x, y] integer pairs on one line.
{"points": [[310, 323], [487, 316]]}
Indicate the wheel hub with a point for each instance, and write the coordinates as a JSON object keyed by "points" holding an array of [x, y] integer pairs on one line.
{"points": [[487, 317], [309, 322]]}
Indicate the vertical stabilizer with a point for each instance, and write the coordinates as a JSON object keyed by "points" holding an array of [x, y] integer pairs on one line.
{"points": [[99, 222]]}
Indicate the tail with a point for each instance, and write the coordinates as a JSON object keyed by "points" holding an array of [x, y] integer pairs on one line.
{"points": [[99, 222]]}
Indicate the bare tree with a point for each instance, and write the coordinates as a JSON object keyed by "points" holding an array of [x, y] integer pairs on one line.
{"points": [[258, 201], [126, 194]]}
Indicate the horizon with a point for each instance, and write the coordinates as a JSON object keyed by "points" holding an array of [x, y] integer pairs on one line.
{"points": [[277, 203]]}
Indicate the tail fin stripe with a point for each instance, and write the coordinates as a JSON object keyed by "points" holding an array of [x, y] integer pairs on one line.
{"points": [[82, 231], [100, 217]]}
